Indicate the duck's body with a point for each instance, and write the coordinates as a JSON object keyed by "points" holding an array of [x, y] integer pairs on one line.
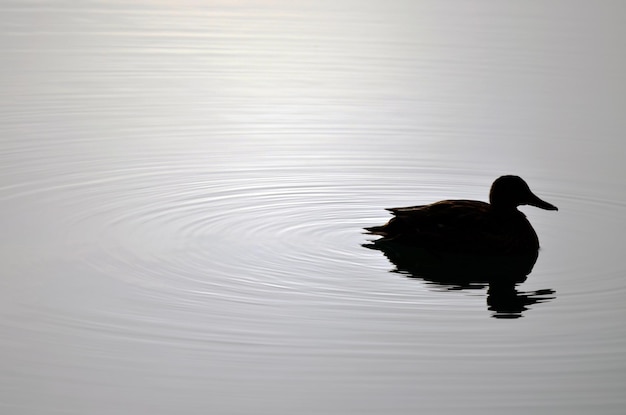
{"points": [[469, 226]]}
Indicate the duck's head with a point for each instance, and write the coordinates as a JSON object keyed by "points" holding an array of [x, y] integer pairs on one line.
{"points": [[508, 192]]}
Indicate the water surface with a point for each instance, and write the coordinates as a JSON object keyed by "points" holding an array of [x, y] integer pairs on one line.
{"points": [[183, 189]]}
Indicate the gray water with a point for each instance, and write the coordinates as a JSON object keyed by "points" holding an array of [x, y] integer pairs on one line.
{"points": [[183, 187]]}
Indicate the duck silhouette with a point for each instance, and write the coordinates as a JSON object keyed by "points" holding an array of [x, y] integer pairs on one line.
{"points": [[469, 226]]}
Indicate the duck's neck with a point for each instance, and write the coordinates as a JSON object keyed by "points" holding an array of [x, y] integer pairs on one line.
{"points": [[505, 210]]}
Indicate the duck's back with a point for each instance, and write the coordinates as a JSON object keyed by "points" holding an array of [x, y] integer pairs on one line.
{"points": [[460, 226]]}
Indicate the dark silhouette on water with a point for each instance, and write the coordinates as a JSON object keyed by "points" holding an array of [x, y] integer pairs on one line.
{"points": [[451, 271], [469, 244], [470, 226]]}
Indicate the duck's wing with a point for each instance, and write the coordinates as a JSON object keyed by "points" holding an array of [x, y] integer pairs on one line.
{"points": [[440, 218], [447, 214], [446, 210], [406, 209]]}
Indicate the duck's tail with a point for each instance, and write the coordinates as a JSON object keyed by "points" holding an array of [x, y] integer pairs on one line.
{"points": [[377, 230]]}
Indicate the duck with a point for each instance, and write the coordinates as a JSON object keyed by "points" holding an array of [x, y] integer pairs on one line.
{"points": [[469, 226]]}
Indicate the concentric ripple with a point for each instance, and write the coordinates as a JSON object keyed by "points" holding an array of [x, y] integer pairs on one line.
{"points": [[213, 233], [183, 187]]}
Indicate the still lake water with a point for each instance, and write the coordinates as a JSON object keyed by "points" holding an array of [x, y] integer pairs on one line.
{"points": [[183, 187]]}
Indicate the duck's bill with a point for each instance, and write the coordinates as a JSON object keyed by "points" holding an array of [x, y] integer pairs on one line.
{"points": [[542, 204]]}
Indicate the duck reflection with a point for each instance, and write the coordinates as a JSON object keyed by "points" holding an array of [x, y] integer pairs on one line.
{"points": [[500, 274]]}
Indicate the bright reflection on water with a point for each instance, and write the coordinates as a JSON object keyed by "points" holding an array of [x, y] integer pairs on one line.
{"points": [[184, 185]]}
